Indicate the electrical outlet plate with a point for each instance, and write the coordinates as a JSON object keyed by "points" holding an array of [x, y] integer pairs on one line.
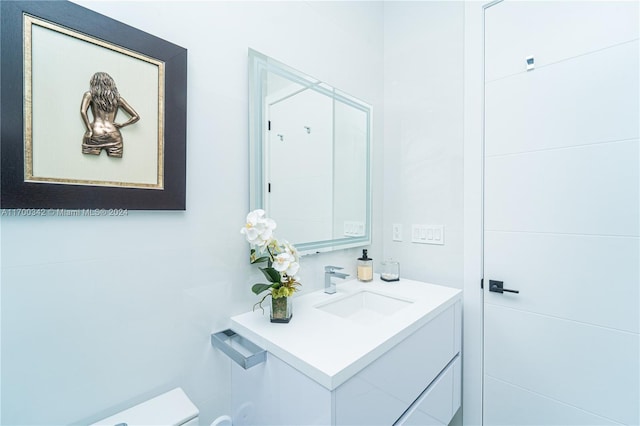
{"points": [[427, 234]]}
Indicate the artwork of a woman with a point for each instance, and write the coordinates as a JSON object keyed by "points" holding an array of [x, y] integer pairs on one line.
{"points": [[105, 101]]}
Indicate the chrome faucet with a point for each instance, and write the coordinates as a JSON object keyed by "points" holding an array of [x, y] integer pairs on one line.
{"points": [[329, 272]]}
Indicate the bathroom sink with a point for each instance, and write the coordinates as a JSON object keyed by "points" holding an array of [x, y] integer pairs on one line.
{"points": [[364, 306]]}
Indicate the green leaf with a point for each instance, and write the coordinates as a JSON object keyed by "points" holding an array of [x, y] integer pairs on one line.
{"points": [[253, 259], [271, 274], [259, 288]]}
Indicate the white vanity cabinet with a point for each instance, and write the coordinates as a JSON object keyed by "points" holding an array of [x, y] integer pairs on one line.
{"points": [[410, 376], [384, 390]]}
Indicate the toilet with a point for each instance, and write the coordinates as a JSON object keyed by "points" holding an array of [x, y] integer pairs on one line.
{"points": [[173, 408]]}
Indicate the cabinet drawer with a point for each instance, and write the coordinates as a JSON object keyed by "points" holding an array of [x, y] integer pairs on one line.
{"points": [[439, 402], [380, 393]]}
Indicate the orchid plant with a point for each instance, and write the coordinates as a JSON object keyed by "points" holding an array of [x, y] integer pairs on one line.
{"points": [[282, 258]]}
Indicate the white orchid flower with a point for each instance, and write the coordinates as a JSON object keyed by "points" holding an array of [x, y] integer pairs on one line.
{"points": [[286, 263], [289, 248], [282, 258], [282, 262], [258, 230], [292, 270]]}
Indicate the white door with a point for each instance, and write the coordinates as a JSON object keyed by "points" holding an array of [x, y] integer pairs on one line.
{"points": [[299, 193], [561, 213]]}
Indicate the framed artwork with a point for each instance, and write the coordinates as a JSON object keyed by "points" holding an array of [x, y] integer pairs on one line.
{"points": [[93, 112]]}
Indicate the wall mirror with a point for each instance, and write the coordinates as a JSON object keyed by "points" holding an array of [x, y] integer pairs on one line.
{"points": [[310, 158]]}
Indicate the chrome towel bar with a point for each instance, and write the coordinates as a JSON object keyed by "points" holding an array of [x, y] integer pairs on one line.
{"points": [[243, 351]]}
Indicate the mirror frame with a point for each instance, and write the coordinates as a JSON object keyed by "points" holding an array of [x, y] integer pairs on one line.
{"points": [[259, 66]]}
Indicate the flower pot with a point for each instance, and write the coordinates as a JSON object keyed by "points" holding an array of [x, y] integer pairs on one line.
{"points": [[281, 309]]}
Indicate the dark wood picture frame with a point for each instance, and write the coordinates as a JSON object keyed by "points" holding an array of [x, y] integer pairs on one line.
{"points": [[18, 192]]}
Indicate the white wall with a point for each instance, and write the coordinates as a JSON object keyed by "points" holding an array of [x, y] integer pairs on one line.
{"points": [[100, 313], [423, 135]]}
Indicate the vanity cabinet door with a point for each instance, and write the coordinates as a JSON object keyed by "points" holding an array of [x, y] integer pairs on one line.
{"points": [[274, 393], [436, 405], [381, 393]]}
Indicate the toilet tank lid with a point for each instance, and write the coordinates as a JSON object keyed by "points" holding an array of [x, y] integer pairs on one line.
{"points": [[172, 408]]}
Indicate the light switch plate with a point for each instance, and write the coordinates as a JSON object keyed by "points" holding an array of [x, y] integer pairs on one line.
{"points": [[353, 228], [397, 232], [427, 234]]}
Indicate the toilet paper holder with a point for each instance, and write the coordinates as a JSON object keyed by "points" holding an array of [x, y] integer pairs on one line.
{"points": [[240, 349]]}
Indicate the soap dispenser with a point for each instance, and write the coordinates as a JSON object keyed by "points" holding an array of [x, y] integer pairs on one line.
{"points": [[365, 267]]}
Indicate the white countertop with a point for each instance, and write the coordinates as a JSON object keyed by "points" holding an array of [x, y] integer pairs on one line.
{"points": [[330, 349]]}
